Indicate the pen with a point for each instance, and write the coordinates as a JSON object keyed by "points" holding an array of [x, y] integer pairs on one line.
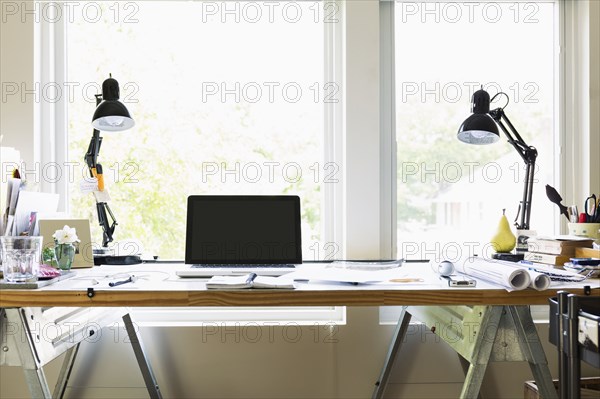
{"points": [[250, 278], [115, 283], [573, 214]]}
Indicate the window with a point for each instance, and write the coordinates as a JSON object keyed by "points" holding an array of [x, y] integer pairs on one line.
{"points": [[228, 98], [451, 195]]}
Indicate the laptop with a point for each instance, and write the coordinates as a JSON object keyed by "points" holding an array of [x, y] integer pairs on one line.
{"points": [[239, 234]]}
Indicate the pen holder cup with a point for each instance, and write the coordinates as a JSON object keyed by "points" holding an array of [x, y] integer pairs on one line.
{"points": [[590, 230]]}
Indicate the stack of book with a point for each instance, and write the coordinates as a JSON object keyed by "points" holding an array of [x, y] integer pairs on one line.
{"points": [[555, 251]]}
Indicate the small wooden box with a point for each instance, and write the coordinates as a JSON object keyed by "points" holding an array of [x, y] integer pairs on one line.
{"points": [[590, 388]]}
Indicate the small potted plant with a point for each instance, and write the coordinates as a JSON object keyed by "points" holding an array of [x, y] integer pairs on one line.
{"points": [[64, 247]]}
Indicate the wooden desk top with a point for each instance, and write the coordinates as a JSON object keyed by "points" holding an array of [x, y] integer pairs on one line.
{"points": [[158, 286], [354, 297]]}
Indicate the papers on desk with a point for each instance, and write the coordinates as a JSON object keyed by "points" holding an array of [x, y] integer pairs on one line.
{"points": [[31, 202], [8, 215], [250, 280], [559, 275], [311, 272], [8, 157], [367, 265], [516, 276], [342, 275], [23, 206]]}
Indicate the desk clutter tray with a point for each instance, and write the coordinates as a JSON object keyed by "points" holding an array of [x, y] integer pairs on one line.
{"points": [[29, 285]]}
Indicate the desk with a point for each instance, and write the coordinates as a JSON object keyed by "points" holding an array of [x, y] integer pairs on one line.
{"points": [[492, 305], [163, 288]]}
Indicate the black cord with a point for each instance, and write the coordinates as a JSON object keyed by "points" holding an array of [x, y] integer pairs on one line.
{"points": [[507, 99]]}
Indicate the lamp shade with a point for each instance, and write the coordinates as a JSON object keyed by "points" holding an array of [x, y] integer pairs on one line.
{"points": [[111, 114], [479, 128]]}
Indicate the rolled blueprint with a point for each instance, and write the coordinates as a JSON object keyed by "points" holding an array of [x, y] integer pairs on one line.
{"points": [[512, 278], [538, 281]]}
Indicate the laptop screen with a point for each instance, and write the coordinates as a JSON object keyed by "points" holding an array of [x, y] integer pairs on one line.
{"points": [[243, 230]]}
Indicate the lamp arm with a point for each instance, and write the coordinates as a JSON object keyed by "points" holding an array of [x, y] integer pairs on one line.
{"points": [[91, 159], [108, 228], [529, 155], [91, 156], [527, 196]]}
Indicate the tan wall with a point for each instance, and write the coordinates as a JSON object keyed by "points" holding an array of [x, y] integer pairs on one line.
{"points": [[16, 70]]}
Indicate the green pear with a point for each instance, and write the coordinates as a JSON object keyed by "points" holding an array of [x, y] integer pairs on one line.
{"points": [[504, 240]]}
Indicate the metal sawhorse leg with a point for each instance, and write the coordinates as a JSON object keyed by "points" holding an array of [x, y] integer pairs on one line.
{"points": [[482, 333], [22, 346]]}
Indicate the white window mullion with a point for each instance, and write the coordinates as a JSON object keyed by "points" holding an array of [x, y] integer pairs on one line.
{"points": [[579, 111], [334, 131], [362, 167], [50, 112], [388, 247]]}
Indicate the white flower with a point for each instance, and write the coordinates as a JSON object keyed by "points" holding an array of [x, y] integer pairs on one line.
{"points": [[68, 235]]}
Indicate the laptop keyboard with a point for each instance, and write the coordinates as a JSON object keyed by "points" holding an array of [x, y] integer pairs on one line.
{"points": [[245, 265]]}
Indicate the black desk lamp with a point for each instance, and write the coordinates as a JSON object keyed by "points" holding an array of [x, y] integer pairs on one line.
{"points": [[111, 116], [482, 128]]}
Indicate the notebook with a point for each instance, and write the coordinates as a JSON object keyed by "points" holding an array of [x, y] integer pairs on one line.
{"points": [[240, 234]]}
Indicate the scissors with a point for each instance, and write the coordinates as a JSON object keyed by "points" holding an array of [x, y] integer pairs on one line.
{"points": [[591, 206]]}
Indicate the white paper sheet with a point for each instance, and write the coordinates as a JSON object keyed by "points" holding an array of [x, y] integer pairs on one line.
{"points": [[31, 201], [9, 159], [344, 275], [368, 265], [12, 194], [9, 225]]}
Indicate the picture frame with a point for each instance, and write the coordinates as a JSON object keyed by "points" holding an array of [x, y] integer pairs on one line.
{"points": [[84, 256]]}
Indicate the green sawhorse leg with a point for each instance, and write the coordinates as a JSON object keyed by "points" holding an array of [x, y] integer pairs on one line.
{"points": [[483, 334]]}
